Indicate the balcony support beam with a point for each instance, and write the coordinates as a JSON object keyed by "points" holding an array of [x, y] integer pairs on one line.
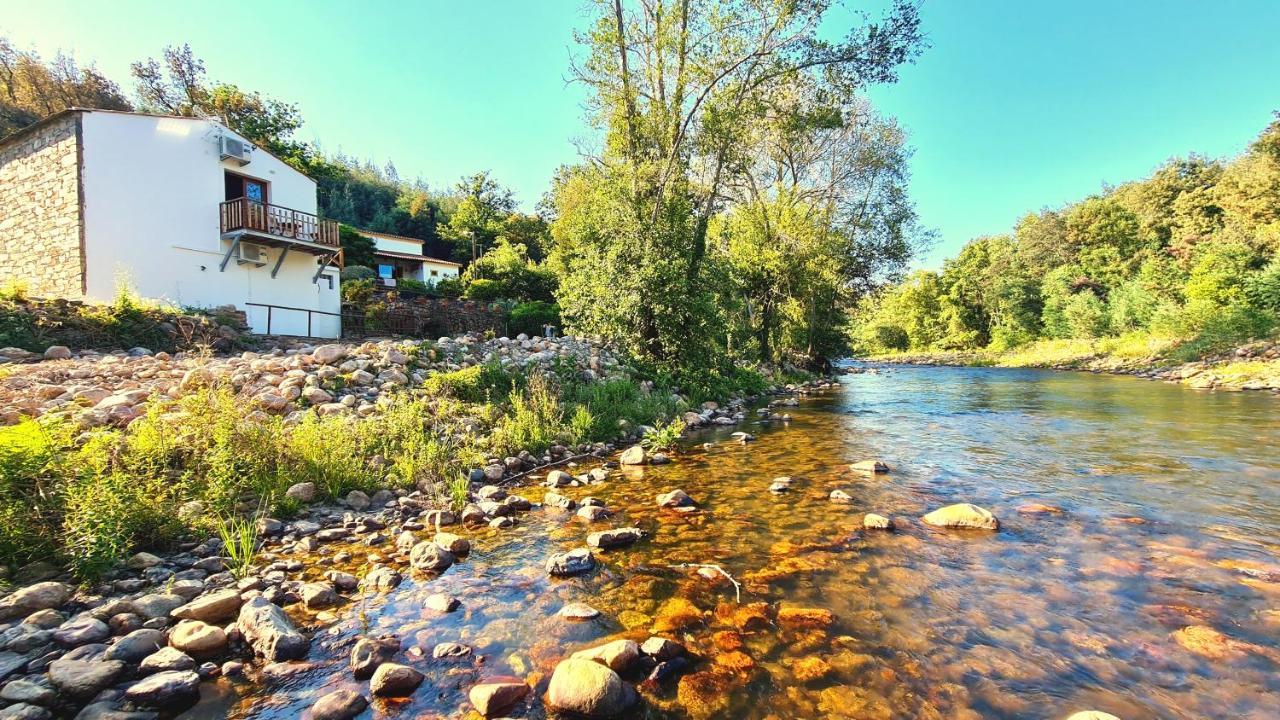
{"points": [[324, 264], [279, 262], [235, 245]]}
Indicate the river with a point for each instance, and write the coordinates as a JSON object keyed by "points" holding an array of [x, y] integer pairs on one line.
{"points": [[1130, 510]]}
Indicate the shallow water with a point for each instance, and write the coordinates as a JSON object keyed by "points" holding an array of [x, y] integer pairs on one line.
{"points": [[1170, 503]]}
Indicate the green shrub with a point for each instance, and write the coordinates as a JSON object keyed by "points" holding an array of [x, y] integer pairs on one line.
{"points": [[412, 286], [476, 384], [1085, 315], [663, 436], [32, 456], [483, 289], [530, 317], [535, 420], [357, 291], [352, 273], [448, 287]]}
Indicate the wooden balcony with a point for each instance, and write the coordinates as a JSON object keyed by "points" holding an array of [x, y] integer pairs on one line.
{"points": [[243, 215]]}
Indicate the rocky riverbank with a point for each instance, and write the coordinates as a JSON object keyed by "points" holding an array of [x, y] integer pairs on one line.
{"points": [[115, 388], [1255, 366], [140, 642]]}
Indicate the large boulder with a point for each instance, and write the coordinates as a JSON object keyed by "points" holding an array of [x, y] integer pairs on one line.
{"points": [[135, 646], [41, 596], [633, 455], [270, 632], [497, 694], [83, 630], [302, 492], [962, 515], [317, 595], [588, 688], [83, 679], [393, 680], [573, 562], [211, 608], [198, 639], [339, 705], [330, 354], [618, 655], [169, 689], [368, 653], [430, 557]]}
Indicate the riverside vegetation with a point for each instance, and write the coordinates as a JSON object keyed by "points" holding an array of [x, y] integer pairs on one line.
{"points": [[1177, 268]]}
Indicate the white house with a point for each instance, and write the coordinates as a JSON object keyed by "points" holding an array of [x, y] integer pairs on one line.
{"points": [[181, 210], [401, 257]]}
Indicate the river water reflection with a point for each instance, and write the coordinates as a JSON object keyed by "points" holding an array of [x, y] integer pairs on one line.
{"points": [[1168, 516]]}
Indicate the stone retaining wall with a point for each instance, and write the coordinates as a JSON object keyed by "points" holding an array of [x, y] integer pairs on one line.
{"points": [[41, 228]]}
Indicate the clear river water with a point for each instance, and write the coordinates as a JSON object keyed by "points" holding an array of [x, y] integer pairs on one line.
{"points": [[1130, 511]]}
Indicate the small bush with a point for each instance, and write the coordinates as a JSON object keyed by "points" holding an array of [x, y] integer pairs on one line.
{"points": [[476, 384], [357, 291], [410, 285], [483, 289], [530, 317], [663, 436], [352, 273]]}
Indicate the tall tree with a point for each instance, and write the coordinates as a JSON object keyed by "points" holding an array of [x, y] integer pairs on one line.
{"points": [[676, 88], [31, 89]]}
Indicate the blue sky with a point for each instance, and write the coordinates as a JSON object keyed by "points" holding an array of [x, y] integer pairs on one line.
{"points": [[1017, 105]]}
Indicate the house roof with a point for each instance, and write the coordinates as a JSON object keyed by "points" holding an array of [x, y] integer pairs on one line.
{"points": [[407, 256], [23, 132], [412, 256]]}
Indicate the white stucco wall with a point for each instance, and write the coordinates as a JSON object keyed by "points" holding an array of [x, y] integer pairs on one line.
{"points": [[444, 269], [152, 187]]}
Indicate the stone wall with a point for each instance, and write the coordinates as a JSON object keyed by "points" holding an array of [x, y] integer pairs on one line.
{"points": [[40, 217]]}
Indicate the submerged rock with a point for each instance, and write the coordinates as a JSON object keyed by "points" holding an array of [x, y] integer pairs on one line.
{"points": [[578, 611], [962, 515], [840, 496], [869, 467], [617, 537], [1092, 715], [872, 521], [675, 499]]}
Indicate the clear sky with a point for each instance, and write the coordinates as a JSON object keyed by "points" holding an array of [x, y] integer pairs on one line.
{"points": [[1017, 105]]}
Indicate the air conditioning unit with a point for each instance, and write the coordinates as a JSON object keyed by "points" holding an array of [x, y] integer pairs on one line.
{"points": [[232, 148], [250, 254]]}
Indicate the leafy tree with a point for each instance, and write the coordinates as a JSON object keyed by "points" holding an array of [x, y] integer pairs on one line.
{"points": [[177, 85], [507, 272], [357, 249], [32, 89], [477, 221], [680, 90]]}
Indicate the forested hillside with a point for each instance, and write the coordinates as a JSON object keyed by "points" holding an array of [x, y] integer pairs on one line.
{"points": [[1188, 254]]}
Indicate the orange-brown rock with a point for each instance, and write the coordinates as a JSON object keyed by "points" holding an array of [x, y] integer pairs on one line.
{"points": [[805, 617], [736, 661], [676, 614]]}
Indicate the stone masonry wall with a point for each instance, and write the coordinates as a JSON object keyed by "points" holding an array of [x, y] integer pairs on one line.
{"points": [[40, 211]]}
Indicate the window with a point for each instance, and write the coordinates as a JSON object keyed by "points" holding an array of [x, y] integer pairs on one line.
{"points": [[237, 186], [435, 273], [386, 272]]}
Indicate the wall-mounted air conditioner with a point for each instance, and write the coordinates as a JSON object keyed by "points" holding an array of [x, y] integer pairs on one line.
{"points": [[232, 148], [249, 254]]}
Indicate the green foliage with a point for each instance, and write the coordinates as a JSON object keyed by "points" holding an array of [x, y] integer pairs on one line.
{"points": [[535, 420], [530, 317], [357, 249], [239, 537], [412, 286], [663, 436], [476, 384], [483, 289], [358, 291], [505, 271], [357, 272], [1189, 253]]}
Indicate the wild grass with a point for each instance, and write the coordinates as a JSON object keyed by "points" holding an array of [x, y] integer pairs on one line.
{"points": [[88, 499], [239, 537]]}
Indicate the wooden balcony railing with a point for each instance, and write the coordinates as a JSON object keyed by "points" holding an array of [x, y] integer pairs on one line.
{"points": [[281, 222]]}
